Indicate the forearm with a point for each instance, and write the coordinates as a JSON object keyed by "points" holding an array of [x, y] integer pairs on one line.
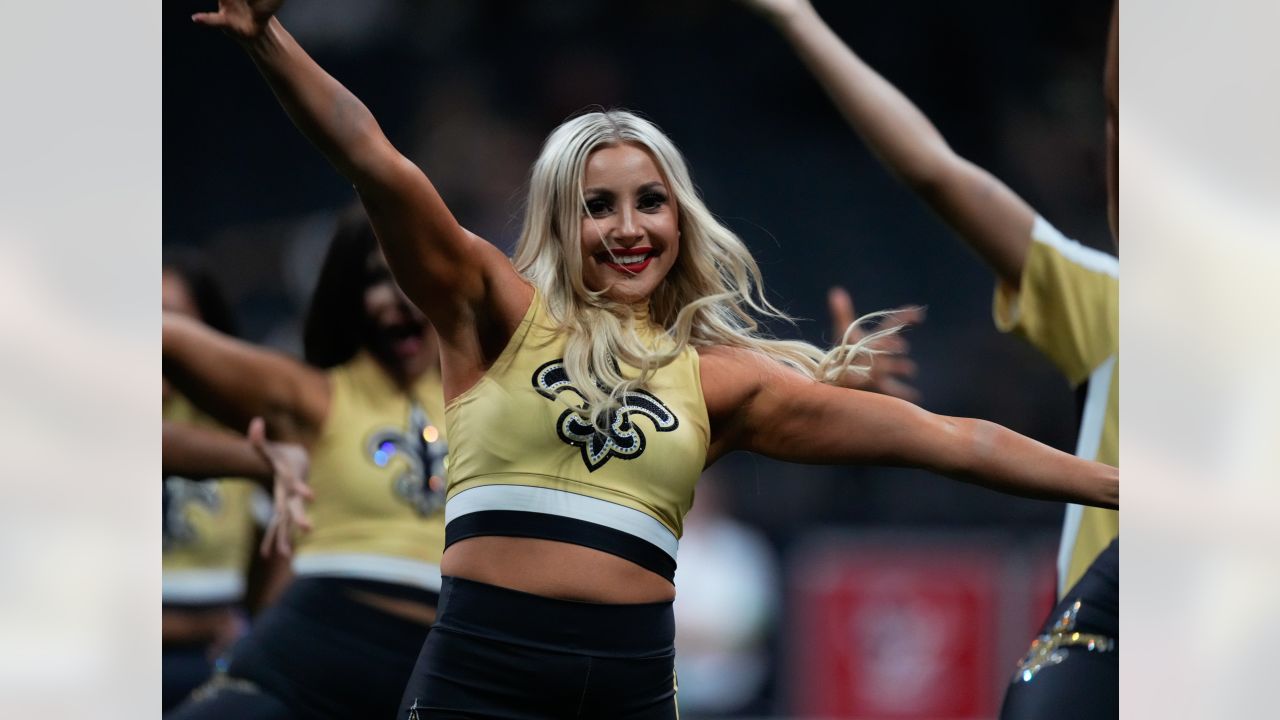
{"points": [[979, 207], [892, 127], [432, 256], [998, 458], [234, 381], [328, 114], [198, 453]]}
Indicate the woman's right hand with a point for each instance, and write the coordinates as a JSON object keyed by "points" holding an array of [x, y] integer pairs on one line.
{"points": [[242, 19], [289, 466]]}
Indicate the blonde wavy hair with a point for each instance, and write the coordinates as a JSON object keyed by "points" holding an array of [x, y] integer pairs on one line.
{"points": [[712, 295]]}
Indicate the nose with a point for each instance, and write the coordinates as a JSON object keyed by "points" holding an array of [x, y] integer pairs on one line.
{"points": [[627, 232]]}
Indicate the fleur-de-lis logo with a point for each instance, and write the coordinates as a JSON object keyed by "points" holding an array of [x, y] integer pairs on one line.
{"points": [[421, 484], [624, 439], [181, 494]]}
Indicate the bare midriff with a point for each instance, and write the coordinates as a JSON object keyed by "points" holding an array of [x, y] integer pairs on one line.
{"points": [[554, 569]]}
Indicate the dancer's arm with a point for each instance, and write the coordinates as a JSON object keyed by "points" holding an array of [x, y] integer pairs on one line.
{"points": [[758, 405], [201, 453], [982, 209], [1111, 91], [235, 381], [456, 278], [281, 468]]}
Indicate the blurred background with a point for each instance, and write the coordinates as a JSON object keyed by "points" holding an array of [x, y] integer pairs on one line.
{"points": [[804, 591]]}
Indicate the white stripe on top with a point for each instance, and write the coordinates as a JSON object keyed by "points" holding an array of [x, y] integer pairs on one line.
{"points": [[1082, 255], [220, 585], [1091, 425], [522, 498], [367, 566]]}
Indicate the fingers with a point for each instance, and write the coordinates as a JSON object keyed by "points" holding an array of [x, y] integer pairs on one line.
{"points": [[901, 390], [840, 306], [905, 315], [896, 366], [298, 514], [258, 434], [210, 19], [267, 547]]}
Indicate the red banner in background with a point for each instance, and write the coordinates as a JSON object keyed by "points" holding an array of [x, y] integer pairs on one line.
{"points": [[905, 630]]}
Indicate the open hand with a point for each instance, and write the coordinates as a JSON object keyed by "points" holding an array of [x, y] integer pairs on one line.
{"points": [[289, 464], [891, 369], [244, 19]]}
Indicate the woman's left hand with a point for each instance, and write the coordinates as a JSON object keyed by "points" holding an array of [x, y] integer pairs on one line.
{"points": [[891, 369]]}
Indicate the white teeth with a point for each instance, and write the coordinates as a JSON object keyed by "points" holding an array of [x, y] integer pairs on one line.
{"points": [[631, 259]]}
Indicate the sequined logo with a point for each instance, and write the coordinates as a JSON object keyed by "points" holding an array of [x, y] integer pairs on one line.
{"points": [[181, 495], [1054, 646], [624, 440], [423, 451]]}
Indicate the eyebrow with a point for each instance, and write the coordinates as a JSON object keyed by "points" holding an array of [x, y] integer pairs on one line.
{"points": [[647, 187]]}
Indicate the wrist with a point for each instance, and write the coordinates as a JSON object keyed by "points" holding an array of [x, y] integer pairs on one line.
{"points": [[265, 40], [793, 18]]}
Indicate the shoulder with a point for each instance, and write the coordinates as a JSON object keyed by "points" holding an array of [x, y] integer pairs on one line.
{"points": [[733, 376]]}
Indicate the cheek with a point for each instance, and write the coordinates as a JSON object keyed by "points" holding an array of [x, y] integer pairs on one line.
{"points": [[378, 299]]}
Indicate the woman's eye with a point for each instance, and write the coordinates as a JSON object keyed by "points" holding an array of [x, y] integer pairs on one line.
{"points": [[597, 207], [652, 201]]}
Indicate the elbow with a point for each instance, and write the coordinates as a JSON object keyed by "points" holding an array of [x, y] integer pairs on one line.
{"points": [[931, 177]]}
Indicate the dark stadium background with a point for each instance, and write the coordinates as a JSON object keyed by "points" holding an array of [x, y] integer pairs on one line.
{"points": [[469, 89]]}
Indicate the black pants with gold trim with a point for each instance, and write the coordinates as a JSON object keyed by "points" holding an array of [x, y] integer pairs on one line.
{"points": [[499, 653], [1073, 667]]}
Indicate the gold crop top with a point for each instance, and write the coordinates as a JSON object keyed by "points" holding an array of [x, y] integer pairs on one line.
{"points": [[376, 515], [524, 464], [209, 527]]}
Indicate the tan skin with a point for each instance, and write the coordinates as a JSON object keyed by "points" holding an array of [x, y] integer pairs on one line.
{"points": [[237, 381], [476, 299], [1111, 92]]}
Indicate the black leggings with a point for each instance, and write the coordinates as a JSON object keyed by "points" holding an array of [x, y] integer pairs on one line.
{"points": [[499, 653], [317, 653], [1073, 668]]}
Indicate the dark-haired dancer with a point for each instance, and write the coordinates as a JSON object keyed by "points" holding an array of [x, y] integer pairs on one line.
{"points": [[368, 406], [1061, 297]]}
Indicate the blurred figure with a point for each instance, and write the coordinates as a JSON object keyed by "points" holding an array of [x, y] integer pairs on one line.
{"points": [[369, 407], [209, 527], [726, 608], [1060, 296]]}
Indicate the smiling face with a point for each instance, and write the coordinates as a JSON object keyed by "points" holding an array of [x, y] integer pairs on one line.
{"points": [[630, 224], [398, 333]]}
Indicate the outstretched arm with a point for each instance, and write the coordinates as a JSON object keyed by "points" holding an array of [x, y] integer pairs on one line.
{"points": [[441, 266], [983, 210], [200, 453], [279, 467], [1111, 92], [758, 405], [235, 381]]}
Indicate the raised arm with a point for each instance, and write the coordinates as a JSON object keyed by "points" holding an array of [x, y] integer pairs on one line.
{"points": [[756, 404], [442, 267], [1111, 92], [983, 210], [235, 381]]}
